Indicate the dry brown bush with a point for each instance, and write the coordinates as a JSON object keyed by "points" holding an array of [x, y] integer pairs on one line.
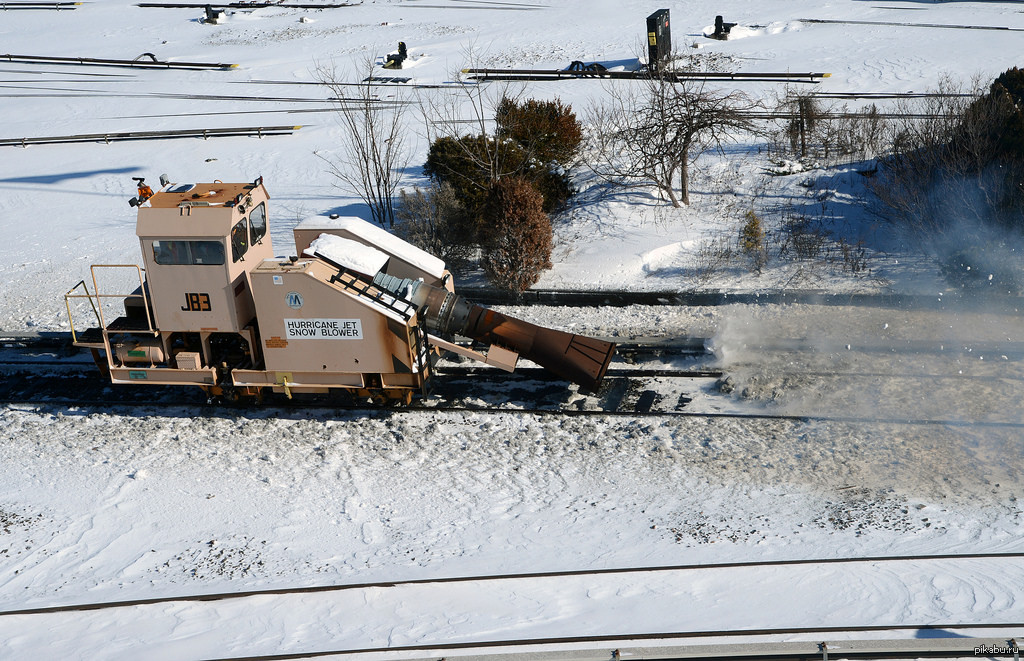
{"points": [[517, 235]]}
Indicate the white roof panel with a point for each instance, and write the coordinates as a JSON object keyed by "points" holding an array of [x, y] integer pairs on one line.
{"points": [[379, 238], [353, 255]]}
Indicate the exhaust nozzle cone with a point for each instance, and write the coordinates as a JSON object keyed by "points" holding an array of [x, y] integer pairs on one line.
{"points": [[577, 358]]}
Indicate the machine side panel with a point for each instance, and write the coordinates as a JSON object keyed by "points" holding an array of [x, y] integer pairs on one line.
{"points": [[309, 324]]}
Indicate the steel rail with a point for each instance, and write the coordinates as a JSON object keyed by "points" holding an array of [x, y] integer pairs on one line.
{"points": [[690, 346], [223, 596], [339, 105], [258, 131], [892, 95], [136, 63], [38, 85], [24, 5], [299, 5], [965, 300], [654, 347], [496, 7], [39, 72], [244, 5], [390, 81], [73, 93], [918, 648], [115, 94], [33, 83], [537, 373], [218, 113], [453, 371], [910, 25], [498, 2], [560, 74]]}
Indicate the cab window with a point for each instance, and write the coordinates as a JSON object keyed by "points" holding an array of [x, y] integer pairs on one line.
{"points": [[207, 252], [239, 241], [168, 253], [258, 223]]}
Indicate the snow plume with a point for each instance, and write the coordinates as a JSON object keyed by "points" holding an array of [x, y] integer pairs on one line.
{"points": [[993, 266], [736, 339], [928, 386], [876, 363], [971, 223]]}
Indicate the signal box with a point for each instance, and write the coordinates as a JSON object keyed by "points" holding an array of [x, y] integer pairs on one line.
{"points": [[659, 40]]}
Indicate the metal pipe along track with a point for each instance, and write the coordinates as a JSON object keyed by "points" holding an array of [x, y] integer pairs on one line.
{"points": [[242, 5], [255, 131], [10, 6], [137, 63], [569, 74], [911, 25]]}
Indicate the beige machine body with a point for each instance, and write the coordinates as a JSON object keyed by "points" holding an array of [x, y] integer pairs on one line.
{"points": [[356, 310]]}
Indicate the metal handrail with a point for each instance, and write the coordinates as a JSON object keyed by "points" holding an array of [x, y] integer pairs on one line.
{"points": [[67, 305], [142, 288]]}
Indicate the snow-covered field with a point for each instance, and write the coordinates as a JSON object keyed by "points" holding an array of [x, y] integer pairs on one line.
{"points": [[100, 505]]}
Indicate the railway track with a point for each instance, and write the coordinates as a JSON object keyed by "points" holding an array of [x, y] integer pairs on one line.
{"points": [[651, 379], [955, 301], [244, 5], [943, 638], [580, 648]]}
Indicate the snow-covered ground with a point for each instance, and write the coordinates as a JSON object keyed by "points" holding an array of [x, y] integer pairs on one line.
{"points": [[102, 505]]}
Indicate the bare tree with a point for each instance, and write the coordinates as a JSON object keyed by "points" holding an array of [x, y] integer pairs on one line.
{"points": [[654, 133], [373, 156]]}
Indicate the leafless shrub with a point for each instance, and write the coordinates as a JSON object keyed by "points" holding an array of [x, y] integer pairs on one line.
{"points": [[863, 134], [373, 156], [436, 221], [833, 133], [802, 237], [806, 112], [924, 181], [711, 257], [853, 256]]}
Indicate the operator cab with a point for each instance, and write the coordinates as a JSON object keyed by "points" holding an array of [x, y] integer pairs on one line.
{"points": [[199, 243]]}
